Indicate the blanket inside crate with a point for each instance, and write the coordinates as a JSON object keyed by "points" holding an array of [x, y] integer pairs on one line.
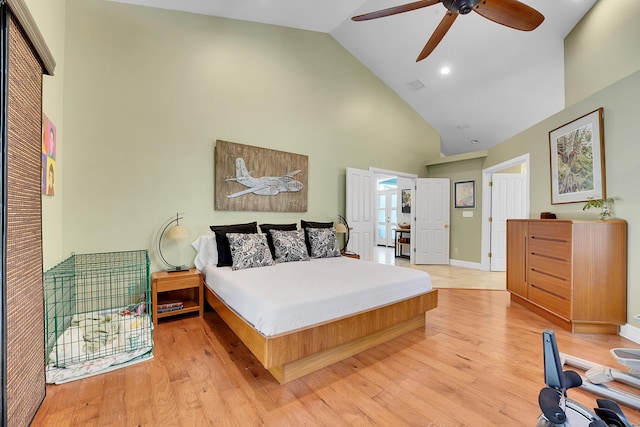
{"points": [[99, 342]]}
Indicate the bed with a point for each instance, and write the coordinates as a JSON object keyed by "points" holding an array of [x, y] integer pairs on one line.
{"points": [[298, 317]]}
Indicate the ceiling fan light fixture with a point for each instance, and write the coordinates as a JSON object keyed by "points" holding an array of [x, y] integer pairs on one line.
{"points": [[461, 6], [510, 13]]}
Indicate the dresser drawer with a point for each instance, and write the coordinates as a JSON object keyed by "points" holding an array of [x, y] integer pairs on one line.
{"points": [[551, 229], [551, 302], [177, 283], [550, 247], [551, 284], [550, 266]]}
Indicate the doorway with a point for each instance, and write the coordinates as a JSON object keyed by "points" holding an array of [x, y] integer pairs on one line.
{"points": [[386, 210], [362, 207], [493, 240]]}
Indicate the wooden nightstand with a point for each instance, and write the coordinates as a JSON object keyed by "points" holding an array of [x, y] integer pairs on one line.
{"points": [[180, 287], [351, 255]]}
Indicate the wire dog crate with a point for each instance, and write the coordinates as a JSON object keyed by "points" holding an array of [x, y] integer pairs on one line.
{"points": [[97, 313]]}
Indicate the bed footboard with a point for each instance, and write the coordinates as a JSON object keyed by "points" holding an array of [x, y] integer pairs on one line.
{"points": [[297, 353]]}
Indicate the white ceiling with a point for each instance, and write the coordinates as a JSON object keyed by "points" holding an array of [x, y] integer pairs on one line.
{"points": [[502, 81]]}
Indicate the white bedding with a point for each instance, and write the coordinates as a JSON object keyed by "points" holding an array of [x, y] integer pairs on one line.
{"points": [[293, 295]]}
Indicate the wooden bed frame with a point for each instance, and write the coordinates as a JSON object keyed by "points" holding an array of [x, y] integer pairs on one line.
{"points": [[294, 354]]}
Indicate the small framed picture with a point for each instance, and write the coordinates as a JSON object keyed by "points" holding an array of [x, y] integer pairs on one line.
{"points": [[406, 201], [464, 194]]}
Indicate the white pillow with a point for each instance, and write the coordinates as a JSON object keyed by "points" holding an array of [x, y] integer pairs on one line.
{"points": [[207, 251]]}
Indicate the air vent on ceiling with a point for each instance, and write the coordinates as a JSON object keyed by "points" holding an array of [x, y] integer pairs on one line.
{"points": [[415, 85]]}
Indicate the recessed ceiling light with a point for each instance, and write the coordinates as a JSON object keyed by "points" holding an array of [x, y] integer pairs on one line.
{"points": [[445, 70]]}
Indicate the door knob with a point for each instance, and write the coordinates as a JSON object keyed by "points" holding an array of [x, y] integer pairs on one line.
{"points": [[446, 226]]}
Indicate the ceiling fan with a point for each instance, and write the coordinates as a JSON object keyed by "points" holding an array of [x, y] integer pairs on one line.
{"points": [[510, 13]]}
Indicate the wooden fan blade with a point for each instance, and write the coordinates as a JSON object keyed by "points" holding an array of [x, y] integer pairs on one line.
{"points": [[395, 10], [510, 13], [438, 34]]}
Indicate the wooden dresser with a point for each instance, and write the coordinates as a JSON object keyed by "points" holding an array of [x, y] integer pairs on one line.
{"points": [[572, 272]]}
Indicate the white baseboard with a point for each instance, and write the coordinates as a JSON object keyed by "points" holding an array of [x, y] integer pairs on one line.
{"points": [[630, 332], [466, 264]]}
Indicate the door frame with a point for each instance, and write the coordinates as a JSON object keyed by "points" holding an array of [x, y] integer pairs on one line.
{"points": [[485, 263], [378, 171]]}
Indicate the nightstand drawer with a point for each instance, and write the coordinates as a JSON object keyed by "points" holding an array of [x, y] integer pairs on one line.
{"points": [[171, 284]]}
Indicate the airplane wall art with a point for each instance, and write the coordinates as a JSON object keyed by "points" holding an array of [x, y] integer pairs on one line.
{"points": [[265, 186], [249, 178]]}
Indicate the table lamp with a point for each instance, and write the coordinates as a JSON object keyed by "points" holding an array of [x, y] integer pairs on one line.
{"points": [[174, 232]]}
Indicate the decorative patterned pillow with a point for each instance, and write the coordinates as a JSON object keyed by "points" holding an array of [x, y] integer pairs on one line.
{"points": [[289, 245], [323, 242], [249, 250], [306, 225], [222, 243], [266, 228]]}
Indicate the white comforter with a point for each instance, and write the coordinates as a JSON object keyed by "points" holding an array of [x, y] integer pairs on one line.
{"points": [[293, 295]]}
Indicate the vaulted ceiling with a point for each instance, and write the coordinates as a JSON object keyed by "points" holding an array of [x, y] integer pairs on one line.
{"points": [[501, 80]]}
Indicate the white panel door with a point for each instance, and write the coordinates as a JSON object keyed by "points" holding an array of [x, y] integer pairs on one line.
{"points": [[430, 228], [508, 201], [360, 206]]}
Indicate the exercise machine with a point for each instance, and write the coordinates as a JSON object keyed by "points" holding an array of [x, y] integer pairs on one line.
{"points": [[597, 377], [560, 411]]}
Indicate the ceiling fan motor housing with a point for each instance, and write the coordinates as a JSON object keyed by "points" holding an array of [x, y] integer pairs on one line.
{"points": [[461, 6]]}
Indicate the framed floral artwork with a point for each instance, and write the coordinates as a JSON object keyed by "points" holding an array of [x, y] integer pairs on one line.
{"points": [[576, 152]]}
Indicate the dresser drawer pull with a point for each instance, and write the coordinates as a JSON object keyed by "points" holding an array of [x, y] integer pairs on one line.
{"points": [[550, 239], [549, 257], [533, 285]]}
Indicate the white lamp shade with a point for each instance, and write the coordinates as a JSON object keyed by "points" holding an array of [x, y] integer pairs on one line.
{"points": [[177, 232], [341, 229]]}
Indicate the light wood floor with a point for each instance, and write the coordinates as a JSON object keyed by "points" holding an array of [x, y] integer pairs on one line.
{"points": [[446, 276], [478, 362]]}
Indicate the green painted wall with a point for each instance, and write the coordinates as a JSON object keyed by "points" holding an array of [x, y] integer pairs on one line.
{"points": [[602, 48], [591, 82], [50, 18], [621, 130], [147, 92]]}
